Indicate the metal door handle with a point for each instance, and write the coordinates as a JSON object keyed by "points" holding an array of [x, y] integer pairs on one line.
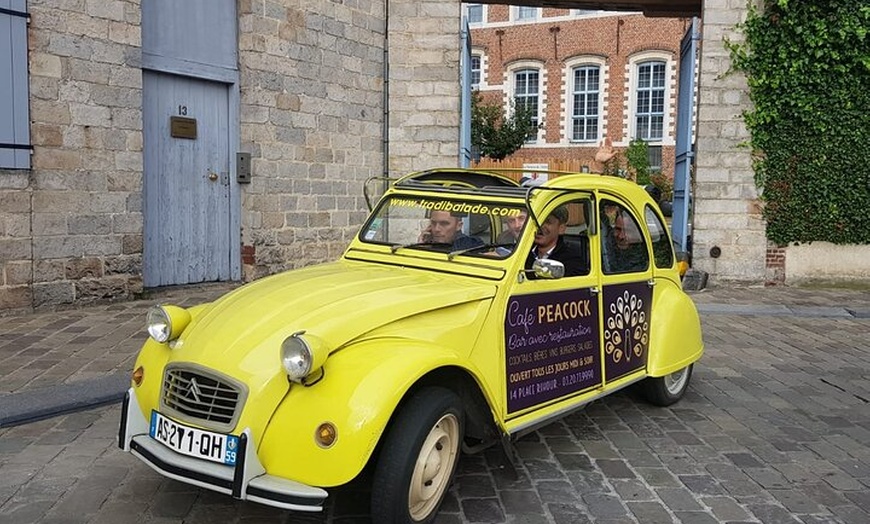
{"points": [[212, 175]]}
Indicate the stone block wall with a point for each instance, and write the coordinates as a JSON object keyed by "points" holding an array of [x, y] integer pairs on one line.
{"points": [[311, 115], [16, 266], [727, 212], [423, 84], [72, 226]]}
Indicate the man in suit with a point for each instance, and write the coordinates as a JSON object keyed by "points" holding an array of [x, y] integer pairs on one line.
{"points": [[513, 228], [549, 243]]}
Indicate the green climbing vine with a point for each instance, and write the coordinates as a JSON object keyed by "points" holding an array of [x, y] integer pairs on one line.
{"points": [[807, 63]]}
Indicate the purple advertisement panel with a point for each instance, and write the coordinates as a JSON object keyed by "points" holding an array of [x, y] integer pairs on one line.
{"points": [[626, 328], [552, 346]]}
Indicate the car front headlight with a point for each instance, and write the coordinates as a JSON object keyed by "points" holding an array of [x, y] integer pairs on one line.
{"points": [[166, 323], [301, 355]]}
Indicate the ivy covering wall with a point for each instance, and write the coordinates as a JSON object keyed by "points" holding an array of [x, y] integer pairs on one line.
{"points": [[808, 67]]}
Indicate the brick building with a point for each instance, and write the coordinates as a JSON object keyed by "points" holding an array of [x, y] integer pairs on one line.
{"points": [[590, 74]]}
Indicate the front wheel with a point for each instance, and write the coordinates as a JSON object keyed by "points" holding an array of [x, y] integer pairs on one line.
{"points": [[418, 458], [664, 391]]}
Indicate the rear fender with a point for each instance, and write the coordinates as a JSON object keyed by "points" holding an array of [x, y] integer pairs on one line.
{"points": [[675, 331]]}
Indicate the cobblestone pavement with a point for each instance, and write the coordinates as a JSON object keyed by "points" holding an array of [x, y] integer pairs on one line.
{"points": [[61, 347], [775, 428]]}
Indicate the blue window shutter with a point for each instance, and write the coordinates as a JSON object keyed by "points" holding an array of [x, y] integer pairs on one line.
{"points": [[14, 102]]}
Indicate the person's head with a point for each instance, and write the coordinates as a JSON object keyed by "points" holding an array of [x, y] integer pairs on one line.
{"points": [[443, 226], [555, 225], [515, 223], [625, 231], [610, 211]]}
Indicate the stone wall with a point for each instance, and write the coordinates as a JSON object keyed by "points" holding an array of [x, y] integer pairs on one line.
{"points": [[16, 266], [311, 113], [823, 263], [312, 118], [72, 226], [727, 212], [424, 84]]}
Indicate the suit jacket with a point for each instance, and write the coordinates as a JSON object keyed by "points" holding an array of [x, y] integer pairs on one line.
{"points": [[573, 255], [463, 241]]}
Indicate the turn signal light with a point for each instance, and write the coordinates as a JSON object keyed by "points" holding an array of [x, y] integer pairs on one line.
{"points": [[682, 267], [326, 435], [138, 375]]}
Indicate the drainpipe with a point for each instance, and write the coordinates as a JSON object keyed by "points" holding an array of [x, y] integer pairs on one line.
{"points": [[386, 131]]}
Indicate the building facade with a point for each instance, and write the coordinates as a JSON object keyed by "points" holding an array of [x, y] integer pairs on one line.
{"points": [[587, 74], [93, 155], [157, 142]]}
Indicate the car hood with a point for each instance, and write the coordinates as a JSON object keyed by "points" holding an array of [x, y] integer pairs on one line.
{"points": [[337, 302]]}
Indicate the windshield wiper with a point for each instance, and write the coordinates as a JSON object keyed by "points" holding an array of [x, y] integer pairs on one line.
{"points": [[481, 247], [396, 247]]}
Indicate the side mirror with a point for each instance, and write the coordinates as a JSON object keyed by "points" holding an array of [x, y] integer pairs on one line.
{"points": [[546, 268]]}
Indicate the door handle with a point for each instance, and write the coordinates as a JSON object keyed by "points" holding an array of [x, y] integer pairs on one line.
{"points": [[594, 290], [212, 175], [651, 282]]}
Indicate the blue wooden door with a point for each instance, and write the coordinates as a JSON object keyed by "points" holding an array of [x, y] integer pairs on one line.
{"points": [[186, 181], [685, 154]]}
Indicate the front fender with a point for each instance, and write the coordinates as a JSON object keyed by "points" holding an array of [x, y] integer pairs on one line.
{"points": [[361, 388], [675, 331], [152, 358]]}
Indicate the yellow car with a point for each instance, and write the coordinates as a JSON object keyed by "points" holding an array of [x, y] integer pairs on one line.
{"points": [[469, 310]]}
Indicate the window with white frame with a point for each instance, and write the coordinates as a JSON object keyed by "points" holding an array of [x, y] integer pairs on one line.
{"points": [[14, 105], [527, 95], [650, 100], [474, 13], [475, 71], [654, 155], [585, 103], [526, 13]]}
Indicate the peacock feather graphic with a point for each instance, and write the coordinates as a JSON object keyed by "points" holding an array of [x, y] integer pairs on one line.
{"points": [[626, 331]]}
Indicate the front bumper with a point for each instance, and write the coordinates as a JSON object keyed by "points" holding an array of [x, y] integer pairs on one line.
{"points": [[247, 480]]}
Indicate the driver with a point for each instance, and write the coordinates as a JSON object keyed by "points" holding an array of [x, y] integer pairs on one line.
{"points": [[446, 228]]}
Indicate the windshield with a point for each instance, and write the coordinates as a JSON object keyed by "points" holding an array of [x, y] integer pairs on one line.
{"points": [[454, 226]]}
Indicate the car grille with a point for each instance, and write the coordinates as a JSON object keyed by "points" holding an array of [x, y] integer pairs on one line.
{"points": [[203, 397]]}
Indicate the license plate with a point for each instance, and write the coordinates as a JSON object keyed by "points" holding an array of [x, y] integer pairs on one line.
{"points": [[194, 442]]}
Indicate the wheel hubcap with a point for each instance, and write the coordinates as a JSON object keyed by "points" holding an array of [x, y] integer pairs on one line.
{"points": [[434, 466], [676, 381]]}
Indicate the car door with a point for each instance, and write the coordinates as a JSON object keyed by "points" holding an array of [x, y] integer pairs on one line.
{"points": [[626, 291], [552, 336]]}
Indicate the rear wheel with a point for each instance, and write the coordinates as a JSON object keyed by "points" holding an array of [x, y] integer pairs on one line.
{"points": [[664, 391], [418, 458]]}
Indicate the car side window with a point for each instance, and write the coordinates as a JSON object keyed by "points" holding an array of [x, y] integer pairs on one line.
{"points": [[623, 249], [563, 237], [662, 248], [576, 236]]}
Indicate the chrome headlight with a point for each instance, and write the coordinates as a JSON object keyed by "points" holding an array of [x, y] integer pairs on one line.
{"points": [[301, 355], [166, 323]]}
